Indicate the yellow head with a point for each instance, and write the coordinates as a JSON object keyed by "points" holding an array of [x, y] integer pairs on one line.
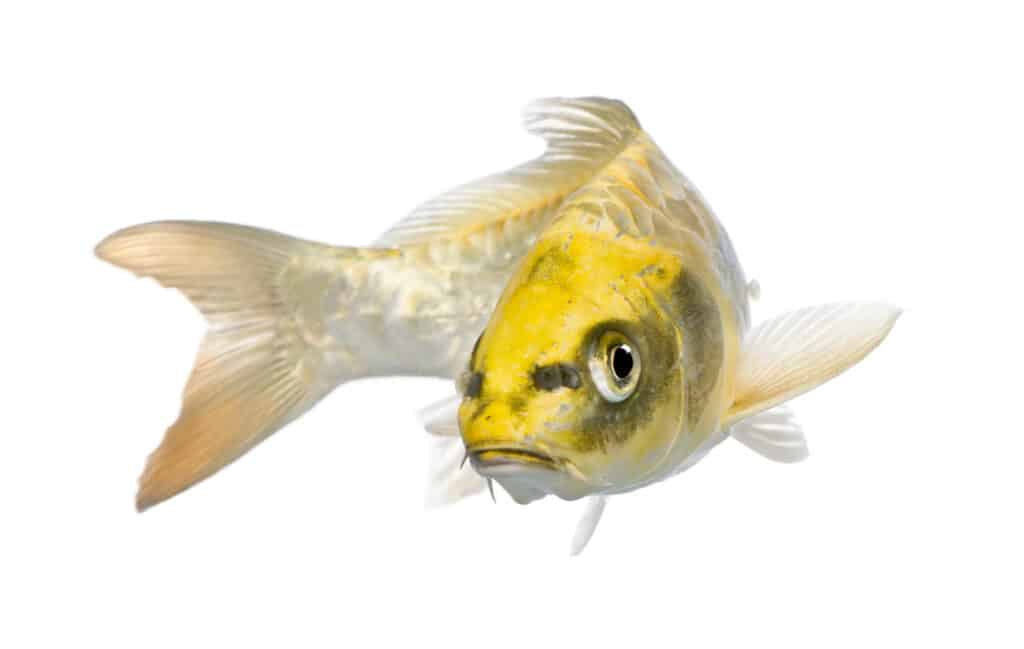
{"points": [[579, 383]]}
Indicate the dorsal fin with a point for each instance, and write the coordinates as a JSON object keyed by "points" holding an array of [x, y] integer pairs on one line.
{"points": [[582, 136]]}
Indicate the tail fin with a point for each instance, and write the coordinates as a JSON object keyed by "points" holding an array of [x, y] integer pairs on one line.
{"points": [[255, 370]]}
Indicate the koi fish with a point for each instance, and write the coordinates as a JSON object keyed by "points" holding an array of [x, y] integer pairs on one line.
{"points": [[589, 305]]}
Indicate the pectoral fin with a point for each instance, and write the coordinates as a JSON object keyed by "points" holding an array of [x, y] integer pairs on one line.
{"points": [[442, 417], [796, 352], [449, 478]]}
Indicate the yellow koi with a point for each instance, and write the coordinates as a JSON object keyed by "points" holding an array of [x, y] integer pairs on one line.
{"points": [[588, 302]]}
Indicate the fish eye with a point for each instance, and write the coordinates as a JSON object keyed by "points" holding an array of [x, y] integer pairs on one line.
{"points": [[621, 362], [615, 366]]}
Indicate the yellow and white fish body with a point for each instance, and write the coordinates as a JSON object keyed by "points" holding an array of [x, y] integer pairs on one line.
{"points": [[621, 351], [615, 349]]}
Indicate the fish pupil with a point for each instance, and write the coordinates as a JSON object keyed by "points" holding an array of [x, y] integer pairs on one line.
{"points": [[622, 362]]}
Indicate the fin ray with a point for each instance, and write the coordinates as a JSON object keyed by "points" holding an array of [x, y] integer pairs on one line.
{"points": [[593, 510], [254, 372], [442, 417], [449, 477], [582, 135], [796, 352], [774, 434]]}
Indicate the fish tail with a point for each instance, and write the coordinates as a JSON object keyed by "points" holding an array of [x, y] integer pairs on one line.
{"points": [[259, 365]]}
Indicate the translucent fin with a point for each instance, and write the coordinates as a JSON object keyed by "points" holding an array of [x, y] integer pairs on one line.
{"points": [[774, 434], [592, 512], [450, 478], [754, 290], [796, 352], [582, 135], [254, 371], [442, 417]]}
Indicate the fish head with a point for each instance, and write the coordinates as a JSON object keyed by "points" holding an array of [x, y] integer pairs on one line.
{"points": [[576, 385]]}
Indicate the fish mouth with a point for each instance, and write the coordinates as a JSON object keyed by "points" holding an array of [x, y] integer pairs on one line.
{"points": [[491, 458], [528, 474]]}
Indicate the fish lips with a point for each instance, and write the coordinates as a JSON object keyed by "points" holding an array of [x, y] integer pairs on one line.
{"points": [[496, 460], [527, 474]]}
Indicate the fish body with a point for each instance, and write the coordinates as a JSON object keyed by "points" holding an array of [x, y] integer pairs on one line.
{"points": [[589, 303]]}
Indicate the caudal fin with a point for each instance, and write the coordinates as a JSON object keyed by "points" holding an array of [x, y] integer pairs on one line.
{"points": [[255, 371]]}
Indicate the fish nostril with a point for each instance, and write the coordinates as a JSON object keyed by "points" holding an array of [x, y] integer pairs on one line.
{"points": [[547, 378], [474, 385], [552, 377], [570, 376]]}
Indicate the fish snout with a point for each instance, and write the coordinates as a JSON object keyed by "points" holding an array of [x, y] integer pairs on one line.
{"points": [[495, 437], [489, 423], [501, 445]]}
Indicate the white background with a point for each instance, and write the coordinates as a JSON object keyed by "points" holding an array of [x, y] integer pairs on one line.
{"points": [[873, 151]]}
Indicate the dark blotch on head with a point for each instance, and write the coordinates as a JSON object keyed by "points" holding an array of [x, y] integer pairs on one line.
{"points": [[552, 377], [570, 376], [550, 266], [517, 404], [603, 424], [703, 337], [547, 378], [474, 385]]}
